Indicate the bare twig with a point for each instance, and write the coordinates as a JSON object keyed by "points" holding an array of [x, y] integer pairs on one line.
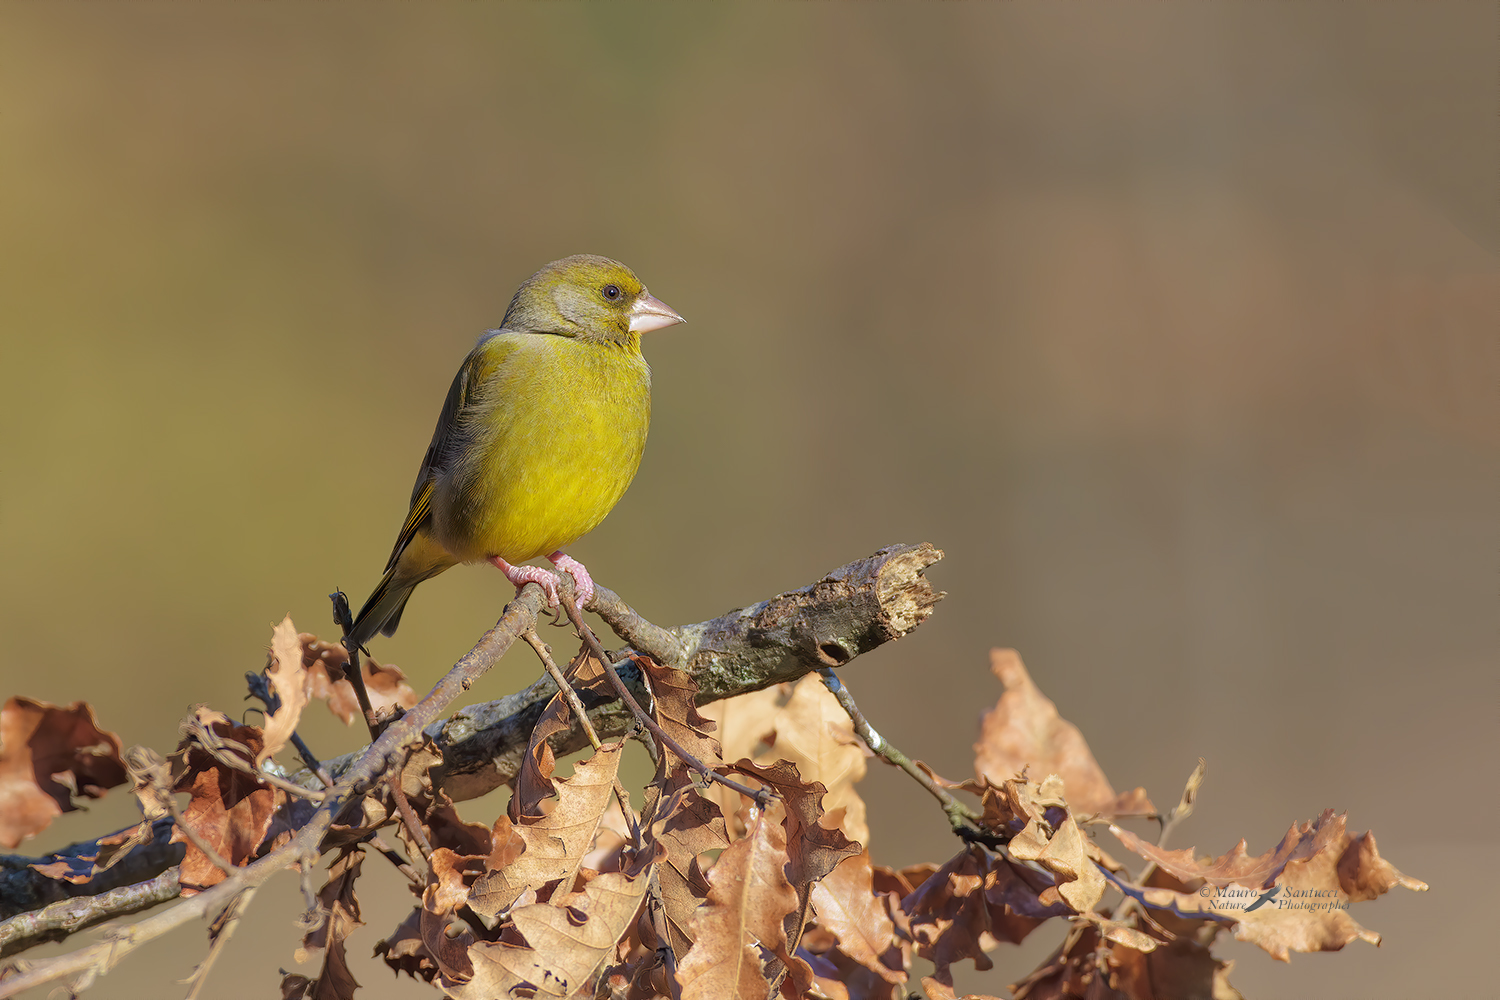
{"points": [[763, 796], [222, 930], [565, 690], [409, 819], [354, 783], [963, 819], [57, 920], [345, 621], [852, 610]]}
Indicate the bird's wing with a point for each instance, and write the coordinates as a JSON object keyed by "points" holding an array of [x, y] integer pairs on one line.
{"points": [[478, 366]]}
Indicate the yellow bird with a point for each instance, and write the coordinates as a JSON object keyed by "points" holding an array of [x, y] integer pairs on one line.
{"points": [[540, 436]]}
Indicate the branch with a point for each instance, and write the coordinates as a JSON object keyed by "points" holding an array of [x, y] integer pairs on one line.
{"points": [[852, 610], [353, 783]]}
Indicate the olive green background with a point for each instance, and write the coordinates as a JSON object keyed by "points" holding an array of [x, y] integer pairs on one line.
{"points": [[1172, 324]]}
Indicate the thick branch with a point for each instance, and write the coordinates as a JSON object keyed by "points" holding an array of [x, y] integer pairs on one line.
{"points": [[389, 751], [852, 610]]}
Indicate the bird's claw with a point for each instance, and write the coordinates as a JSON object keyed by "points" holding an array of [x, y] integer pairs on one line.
{"points": [[583, 584]]}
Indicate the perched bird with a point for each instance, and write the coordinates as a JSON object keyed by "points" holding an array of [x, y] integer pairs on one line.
{"points": [[540, 435]]}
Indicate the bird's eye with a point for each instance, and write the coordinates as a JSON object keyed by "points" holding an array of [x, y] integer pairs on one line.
{"points": [[611, 292]]}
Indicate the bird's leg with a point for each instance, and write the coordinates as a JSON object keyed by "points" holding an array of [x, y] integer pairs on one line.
{"points": [[583, 584], [522, 575]]}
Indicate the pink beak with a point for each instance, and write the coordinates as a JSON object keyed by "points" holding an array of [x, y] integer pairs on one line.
{"points": [[651, 313]]}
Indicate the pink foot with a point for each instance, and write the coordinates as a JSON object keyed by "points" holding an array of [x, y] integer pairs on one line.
{"points": [[522, 575], [583, 584]]}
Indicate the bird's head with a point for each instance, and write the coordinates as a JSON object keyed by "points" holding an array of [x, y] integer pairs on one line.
{"points": [[589, 297]]}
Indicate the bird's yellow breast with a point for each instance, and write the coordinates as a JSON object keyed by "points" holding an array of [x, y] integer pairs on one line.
{"points": [[548, 444]]}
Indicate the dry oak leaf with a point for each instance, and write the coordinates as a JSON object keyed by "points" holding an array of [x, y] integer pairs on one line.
{"points": [[292, 685], [1302, 886], [565, 939], [801, 722], [49, 755], [555, 843], [1024, 730], [1100, 969], [404, 951], [847, 905], [690, 825], [1065, 854], [970, 906], [324, 944], [747, 906], [327, 662], [676, 708], [230, 810]]}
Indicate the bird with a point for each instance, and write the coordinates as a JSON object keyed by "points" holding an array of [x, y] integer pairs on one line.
{"points": [[540, 435]]}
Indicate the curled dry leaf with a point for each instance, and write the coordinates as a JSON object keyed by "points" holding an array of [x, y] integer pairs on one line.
{"points": [[847, 905], [1097, 967], [1080, 882], [291, 682], [229, 809], [556, 842], [675, 694], [324, 944], [747, 906], [689, 826], [970, 905], [801, 722], [49, 755], [1292, 898], [1024, 731], [565, 939], [326, 663]]}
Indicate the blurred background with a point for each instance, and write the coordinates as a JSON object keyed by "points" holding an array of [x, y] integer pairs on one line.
{"points": [[1172, 324]]}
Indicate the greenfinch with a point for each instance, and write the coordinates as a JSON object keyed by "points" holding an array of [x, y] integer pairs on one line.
{"points": [[540, 436]]}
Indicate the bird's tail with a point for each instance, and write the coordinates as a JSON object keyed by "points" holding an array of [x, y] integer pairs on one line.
{"points": [[420, 560], [382, 612]]}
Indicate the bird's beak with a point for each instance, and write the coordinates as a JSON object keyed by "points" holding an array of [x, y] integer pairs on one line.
{"points": [[651, 313]]}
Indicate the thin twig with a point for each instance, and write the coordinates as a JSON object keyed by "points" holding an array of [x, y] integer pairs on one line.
{"points": [[409, 819], [963, 819], [218, 860], [352, 671], [763, 796], [223, 929], [232, 753], [565, 689], [357, 780], [400, 863], [259, 688]]}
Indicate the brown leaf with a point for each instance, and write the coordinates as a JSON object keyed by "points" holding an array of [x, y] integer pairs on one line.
{"points": [[404, 951], [49, 755], [325, 944], [326, 663], [555, 843], [677, 712], [1292, 898], [690, 825], [801, 722], [1024, 731], [972, 904], [749, 901], [292, 684], [566, 939], [1065, 854], [1099, 968], [846, 904], [230, 810]]}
